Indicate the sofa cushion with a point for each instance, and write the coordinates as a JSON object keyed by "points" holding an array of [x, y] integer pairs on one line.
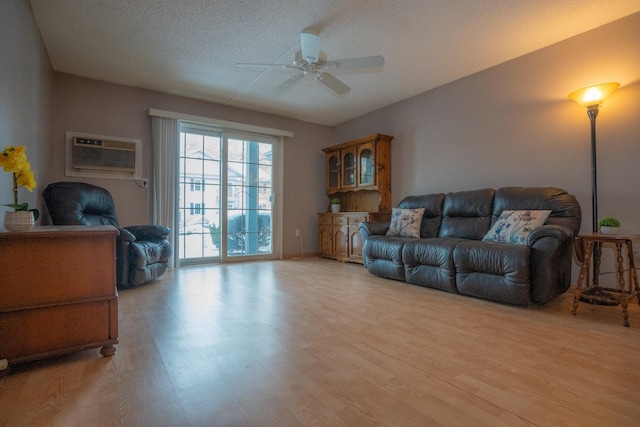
{"points": [[491, 270], [405, 222], [382, 255], [429, 262], [515, 226], [467, 214]]}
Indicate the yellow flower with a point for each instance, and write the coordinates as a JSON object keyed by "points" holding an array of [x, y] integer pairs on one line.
{"points": [[26, 179], [14, 160]]}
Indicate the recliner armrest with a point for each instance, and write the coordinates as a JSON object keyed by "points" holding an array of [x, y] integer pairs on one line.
{"points": [[149, 232], [370, 228], [126, 235]]}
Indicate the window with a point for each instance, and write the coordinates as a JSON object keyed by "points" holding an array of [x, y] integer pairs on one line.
{"points": [[196, 185]]}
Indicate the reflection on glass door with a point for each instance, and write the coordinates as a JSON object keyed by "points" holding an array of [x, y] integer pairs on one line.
{"points": [[226, 194]]}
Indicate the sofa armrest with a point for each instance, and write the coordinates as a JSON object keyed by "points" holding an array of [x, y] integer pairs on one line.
{"points": [[149, 232], [554, 231], [550, 262], [370, 228]]}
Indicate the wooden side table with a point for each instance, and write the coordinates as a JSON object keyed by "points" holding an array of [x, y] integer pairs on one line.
{"points": [[593, 293]]}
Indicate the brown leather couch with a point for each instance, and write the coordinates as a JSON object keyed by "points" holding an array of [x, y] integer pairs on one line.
{"points": [[142, 251]]}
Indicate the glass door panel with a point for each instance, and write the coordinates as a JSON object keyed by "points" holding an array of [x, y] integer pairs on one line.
{"points": [[366, 167], [349, 169], [199, 195], [249, 198], [333, 172]]}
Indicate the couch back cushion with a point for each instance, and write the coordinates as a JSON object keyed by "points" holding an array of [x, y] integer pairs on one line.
{"points": [[432, 204], [565, 209], [467, 214]]}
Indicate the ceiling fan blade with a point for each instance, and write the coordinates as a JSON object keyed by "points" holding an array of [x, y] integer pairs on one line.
{"points": [[310, 45], [287, 84], [332, 83], [352, 63], [271, 66]]}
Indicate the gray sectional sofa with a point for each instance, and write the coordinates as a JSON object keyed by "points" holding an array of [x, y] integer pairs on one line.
{"points": [[450, 253]]}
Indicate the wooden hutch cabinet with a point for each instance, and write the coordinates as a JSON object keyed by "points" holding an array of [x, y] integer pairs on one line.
{"points": [[358, 172]]}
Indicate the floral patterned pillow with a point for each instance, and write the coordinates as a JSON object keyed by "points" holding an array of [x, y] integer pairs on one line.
{"points": [[405, 222], [515, 226]]}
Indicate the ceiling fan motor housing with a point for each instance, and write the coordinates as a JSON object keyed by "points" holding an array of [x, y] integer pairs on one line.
{"points": [[310, 45], [309, 67]]}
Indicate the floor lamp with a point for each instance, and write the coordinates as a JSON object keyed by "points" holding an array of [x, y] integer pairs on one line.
{"points": [[592, 97]]}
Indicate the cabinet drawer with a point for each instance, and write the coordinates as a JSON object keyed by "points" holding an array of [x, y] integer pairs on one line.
{"points": [[325, 219], [340, 220], [32, 333], [355, 220]]}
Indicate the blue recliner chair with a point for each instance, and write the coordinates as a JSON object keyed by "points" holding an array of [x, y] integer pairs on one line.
{"points": [[142, 251]]}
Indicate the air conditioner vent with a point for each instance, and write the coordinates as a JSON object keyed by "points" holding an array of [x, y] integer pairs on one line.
{"points": [[104, 155]]}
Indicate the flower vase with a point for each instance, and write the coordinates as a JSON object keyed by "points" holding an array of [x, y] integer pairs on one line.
{"points": [[335, 208], [18, 220]]}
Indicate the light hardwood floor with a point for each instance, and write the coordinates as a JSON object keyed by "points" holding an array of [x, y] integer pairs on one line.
{"points": [[318, 342]]}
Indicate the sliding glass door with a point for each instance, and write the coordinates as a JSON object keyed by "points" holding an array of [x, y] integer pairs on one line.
{"points": [[226, 204]]}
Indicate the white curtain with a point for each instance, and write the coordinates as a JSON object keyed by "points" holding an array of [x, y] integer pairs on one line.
{"points": [[164, 152]]}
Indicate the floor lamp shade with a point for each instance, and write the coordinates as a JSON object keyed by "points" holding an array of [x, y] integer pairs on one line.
{"points": [[593, 95]]}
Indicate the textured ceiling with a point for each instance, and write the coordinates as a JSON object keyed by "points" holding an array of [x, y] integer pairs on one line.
{"points": [[189, 47]]}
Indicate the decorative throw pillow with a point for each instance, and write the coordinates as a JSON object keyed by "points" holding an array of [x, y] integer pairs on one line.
{"points": [[405, 222], [515, 226]]}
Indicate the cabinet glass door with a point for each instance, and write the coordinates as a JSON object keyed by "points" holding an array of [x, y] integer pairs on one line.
{"points": [[349, 169], [333, 171], [366, 167]]}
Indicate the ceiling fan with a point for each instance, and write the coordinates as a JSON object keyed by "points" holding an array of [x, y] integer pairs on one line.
{"points": [[312, 61]]}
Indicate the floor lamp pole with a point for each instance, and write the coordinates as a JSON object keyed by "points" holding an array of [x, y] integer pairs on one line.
{"points": [[592, 112]]}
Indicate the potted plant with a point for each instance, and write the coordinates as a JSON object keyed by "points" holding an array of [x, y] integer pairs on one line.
{"points": [[609, 225], [14, 160], [335, 204]]}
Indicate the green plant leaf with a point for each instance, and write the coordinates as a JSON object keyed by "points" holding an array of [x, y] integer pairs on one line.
{"points": [[19, 206], [609, 222]]}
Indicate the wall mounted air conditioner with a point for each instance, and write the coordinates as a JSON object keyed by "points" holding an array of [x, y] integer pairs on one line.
{"points": [[102, 156]]}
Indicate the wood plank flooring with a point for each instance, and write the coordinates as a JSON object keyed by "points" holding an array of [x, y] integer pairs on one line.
{"points": [[318, 342]]}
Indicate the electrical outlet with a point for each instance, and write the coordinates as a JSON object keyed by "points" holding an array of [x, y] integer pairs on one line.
{"points": [[297, 232]]}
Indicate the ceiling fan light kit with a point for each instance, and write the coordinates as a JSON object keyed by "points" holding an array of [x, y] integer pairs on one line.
{"points": [[311, 60]]}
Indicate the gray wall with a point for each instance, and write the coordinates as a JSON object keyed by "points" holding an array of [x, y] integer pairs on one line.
{"points": [[512, 125], [91, 106], [25, 97]]}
